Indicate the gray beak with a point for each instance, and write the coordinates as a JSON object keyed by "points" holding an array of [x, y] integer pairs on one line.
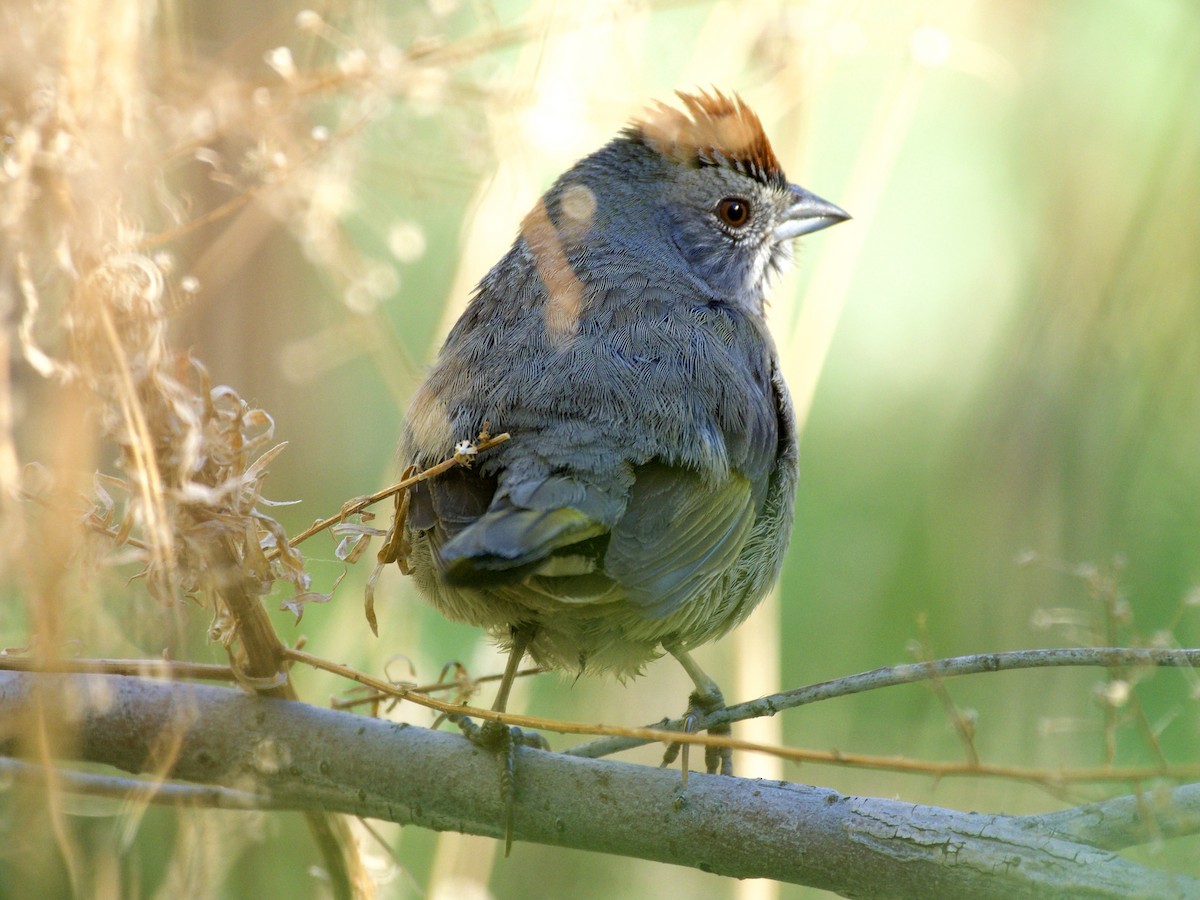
{"points": [[808, 213]]}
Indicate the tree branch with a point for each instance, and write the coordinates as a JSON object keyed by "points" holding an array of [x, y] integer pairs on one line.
{"points": [[264, 670], [889, 676], [308, 758], [1125, 821], [146, 789]]}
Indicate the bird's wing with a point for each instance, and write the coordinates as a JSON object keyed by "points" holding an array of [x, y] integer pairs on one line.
{"points": [[518, 532], [450, 502], [677, 535], [673, 535]]}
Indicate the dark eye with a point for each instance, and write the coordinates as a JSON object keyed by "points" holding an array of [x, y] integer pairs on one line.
{"points": [[734, 212]]}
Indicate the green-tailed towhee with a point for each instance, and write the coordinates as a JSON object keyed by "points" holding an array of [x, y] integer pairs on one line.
{"points": [[644, 500]]}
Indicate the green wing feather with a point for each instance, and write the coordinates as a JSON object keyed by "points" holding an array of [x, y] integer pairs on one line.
{"points": [[678, 534]]}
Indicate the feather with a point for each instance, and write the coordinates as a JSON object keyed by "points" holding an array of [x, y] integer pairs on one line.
{"points": [[714, 130]]}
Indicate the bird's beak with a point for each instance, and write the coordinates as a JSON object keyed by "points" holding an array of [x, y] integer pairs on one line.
{"points": [[808, 213]]}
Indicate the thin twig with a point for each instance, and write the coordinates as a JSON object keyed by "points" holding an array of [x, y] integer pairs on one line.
{"points": [[143, 668], [432, 687], [962, 724], [888, 676], [357, 506], [122, 788], [619, 738]]}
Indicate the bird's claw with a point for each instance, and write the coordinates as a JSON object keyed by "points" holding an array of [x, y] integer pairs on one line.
{"points": [[493, 735], [503, 740], [716, 759]]}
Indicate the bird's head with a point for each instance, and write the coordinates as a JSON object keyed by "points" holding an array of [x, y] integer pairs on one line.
{"points": [[699, 191], [733, 213]]}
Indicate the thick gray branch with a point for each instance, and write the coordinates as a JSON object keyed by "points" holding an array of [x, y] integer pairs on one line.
{"points": [[304, 757]]}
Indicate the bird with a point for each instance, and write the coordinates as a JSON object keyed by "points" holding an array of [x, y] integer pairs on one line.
{"points": [[644, 500]]}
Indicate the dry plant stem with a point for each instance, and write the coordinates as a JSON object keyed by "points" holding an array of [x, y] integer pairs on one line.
{"points": [[151, 488], [410, 693], [261, 645], [418, 689], [1104, 586], [726, 825], [330, 81], [966, 731], [362, 503], [264, 654], [45, 748]]}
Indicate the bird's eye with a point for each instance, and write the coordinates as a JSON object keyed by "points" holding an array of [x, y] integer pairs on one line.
{"points": [[734, 212]]}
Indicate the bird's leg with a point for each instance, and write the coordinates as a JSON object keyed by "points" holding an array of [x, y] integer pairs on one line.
{"points": [[521, 635], [501, 738], [706, 699]]}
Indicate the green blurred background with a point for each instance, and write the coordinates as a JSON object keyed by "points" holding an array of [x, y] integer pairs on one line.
{"points": [[997, 362]]}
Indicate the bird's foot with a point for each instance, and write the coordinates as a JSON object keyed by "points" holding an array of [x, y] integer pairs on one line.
{"points": [[716, 759], [503, 740], [497, 736]]}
